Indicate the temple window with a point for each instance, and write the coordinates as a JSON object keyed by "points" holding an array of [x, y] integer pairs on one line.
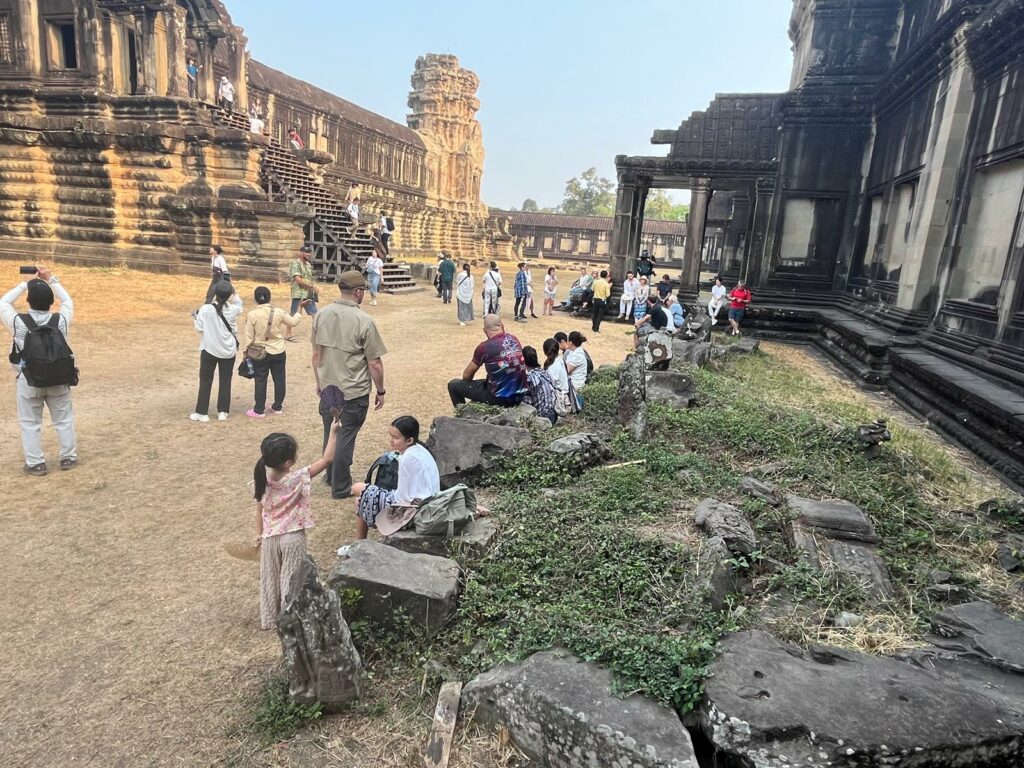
{"points": [[5, 39], [549, 243], [61, 48], [993, 217]]}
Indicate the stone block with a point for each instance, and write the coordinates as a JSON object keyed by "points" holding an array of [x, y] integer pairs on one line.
{"points": [[560, 711], [770, 704], [726, 522], [464, 448], [632, 406], [698, 353], [863, 562], [423, 587], [672, 388], [759, 489], [581, 448], [838, 519], [475, 539], [320, 660]]}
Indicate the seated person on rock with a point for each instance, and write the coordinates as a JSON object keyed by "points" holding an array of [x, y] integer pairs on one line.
{"points": [[655, 318], [418, 477], [501, 354], [678, 311]]}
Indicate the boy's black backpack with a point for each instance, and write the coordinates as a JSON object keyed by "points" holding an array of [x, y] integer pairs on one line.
{"points": [[390, 222], [590, 365], [387, 472], [47, 358]]}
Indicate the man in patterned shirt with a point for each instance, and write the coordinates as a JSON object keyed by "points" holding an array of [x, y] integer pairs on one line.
{"points": [[522, 293], [501, 354]]}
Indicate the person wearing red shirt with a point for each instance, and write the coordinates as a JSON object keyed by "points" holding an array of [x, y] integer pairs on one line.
{"points": [[738, 301]]}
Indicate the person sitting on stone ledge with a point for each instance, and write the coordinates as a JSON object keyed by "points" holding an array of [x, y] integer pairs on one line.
{"points": [[643, 291], [675, 306], [540, 392], [664, 287], [501, 354], [294, 140], [655, 318], [718, 292], [418, 477]]}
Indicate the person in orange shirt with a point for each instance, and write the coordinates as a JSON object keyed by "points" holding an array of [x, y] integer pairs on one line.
{"points": [[739, 299]]}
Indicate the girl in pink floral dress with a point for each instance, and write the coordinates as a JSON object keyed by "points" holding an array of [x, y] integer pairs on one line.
{"points": [[283, 515]]}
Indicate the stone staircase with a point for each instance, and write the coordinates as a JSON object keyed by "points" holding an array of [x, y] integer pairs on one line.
{"points": [[338, 242]]}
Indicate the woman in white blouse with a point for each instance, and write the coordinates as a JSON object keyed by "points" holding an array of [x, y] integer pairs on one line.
{"points": [[464, 295], [717, 299], [418, 477], [629, 288], [218, 346], [554, 364]]}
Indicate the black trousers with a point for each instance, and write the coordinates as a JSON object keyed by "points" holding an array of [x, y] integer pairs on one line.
{"points": [[446, 290], [273, 366], [384, 238], [520, 308], [600, 305], [460, 390], [339, 473], [207, 365]]}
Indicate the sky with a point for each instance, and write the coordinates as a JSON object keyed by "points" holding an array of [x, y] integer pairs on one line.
{"points": [[564, 84]]}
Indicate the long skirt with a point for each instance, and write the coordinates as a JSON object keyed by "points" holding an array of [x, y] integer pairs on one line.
{"points": [[280, 557], [465, 311], [372, 502]]}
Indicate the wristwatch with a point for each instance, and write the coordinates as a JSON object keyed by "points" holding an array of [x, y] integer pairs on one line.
{"points": [[381, 393]]}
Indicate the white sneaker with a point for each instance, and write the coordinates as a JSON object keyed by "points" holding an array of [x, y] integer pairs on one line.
{"points": [[221, 416], [199, 417], [463, 325], [373, 303]]}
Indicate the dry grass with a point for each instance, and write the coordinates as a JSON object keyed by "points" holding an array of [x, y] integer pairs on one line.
{"points": [[129, 632]]}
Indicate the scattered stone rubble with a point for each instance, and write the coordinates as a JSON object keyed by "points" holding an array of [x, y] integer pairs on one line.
{"points": [[727, 523], [321, 663], [632, 406], [672, 388], [758, 489], [581, 449], [839, 532], [560, 711]]}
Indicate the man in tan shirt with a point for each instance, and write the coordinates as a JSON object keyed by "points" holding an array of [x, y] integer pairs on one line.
{"points": [[267, 326], [347, 364]]}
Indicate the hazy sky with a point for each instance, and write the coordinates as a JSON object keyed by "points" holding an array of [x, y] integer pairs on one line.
{"points": [[564, 84]]}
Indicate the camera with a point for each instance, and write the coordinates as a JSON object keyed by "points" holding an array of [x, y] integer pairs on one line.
{"points": [[28, 270]]}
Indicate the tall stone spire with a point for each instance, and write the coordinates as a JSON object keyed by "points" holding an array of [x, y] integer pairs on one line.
{"points": [[443, 106]]}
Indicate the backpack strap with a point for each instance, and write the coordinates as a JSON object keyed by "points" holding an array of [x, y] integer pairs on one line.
{"points": [[270, 320], [30, 323], [54, 321]]}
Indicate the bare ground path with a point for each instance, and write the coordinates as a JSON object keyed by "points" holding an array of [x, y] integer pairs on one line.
{"points": [[130, 638]]}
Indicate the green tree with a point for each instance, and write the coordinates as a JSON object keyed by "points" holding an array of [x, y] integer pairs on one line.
{"points": [[530, 205], [660, 206], [589, 195]]}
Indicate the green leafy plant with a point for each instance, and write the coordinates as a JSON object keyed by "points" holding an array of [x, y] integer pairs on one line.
{"points": [[278, 716]]}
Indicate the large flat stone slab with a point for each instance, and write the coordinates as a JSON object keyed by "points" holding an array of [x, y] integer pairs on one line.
{"points": [[475, 539], [672, 388], [393, 583], [772, 705], [981, 630], [463, 448], [560, 712]]}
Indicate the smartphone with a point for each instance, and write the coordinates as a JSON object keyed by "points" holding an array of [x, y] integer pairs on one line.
{"points": [[28, 270]]}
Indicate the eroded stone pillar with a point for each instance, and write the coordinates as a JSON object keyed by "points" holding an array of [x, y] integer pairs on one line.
{"points": [[175, 24], [30, 53], [238, 70], [756, 268], [700, 196], [732, 256], [207, 84], [627, 226]]}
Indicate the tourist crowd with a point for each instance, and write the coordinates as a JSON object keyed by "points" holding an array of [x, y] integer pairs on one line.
{"points": [[347, 361]]}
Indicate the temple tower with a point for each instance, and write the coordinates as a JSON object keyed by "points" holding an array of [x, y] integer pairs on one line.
{"points": [[443, 106]]}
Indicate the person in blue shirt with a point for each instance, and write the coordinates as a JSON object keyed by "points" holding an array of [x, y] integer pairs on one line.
{"points": [[522, 293], [193, 78], [677, 309]]}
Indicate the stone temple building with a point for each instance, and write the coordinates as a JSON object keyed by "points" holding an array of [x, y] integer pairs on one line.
{"points": [[883, 197], [105, 158]]}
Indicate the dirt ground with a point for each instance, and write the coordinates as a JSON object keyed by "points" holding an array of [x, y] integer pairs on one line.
{"points": [[130, 637]]}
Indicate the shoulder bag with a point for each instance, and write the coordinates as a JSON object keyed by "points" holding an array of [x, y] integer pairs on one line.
{"points": [[256, 351]]}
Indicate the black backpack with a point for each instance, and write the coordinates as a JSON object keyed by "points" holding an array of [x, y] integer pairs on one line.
{"points": [[590, 365], [387, 472], [46, 356], [391, 223]]}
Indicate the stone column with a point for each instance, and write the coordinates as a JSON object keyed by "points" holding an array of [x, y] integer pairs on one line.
{"points": [[700, 196], [207, 85], [627, 226], [238, 69], [31, 55], [734, 229], [175, 23], [756, 269]]}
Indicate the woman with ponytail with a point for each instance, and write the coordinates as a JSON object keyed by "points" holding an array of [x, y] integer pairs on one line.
{"points": [[418, 477], [283, 515], [216, 322]]}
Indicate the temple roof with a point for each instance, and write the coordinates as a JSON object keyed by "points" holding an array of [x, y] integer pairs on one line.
{"points": [[269, 79], [568, 221]]}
